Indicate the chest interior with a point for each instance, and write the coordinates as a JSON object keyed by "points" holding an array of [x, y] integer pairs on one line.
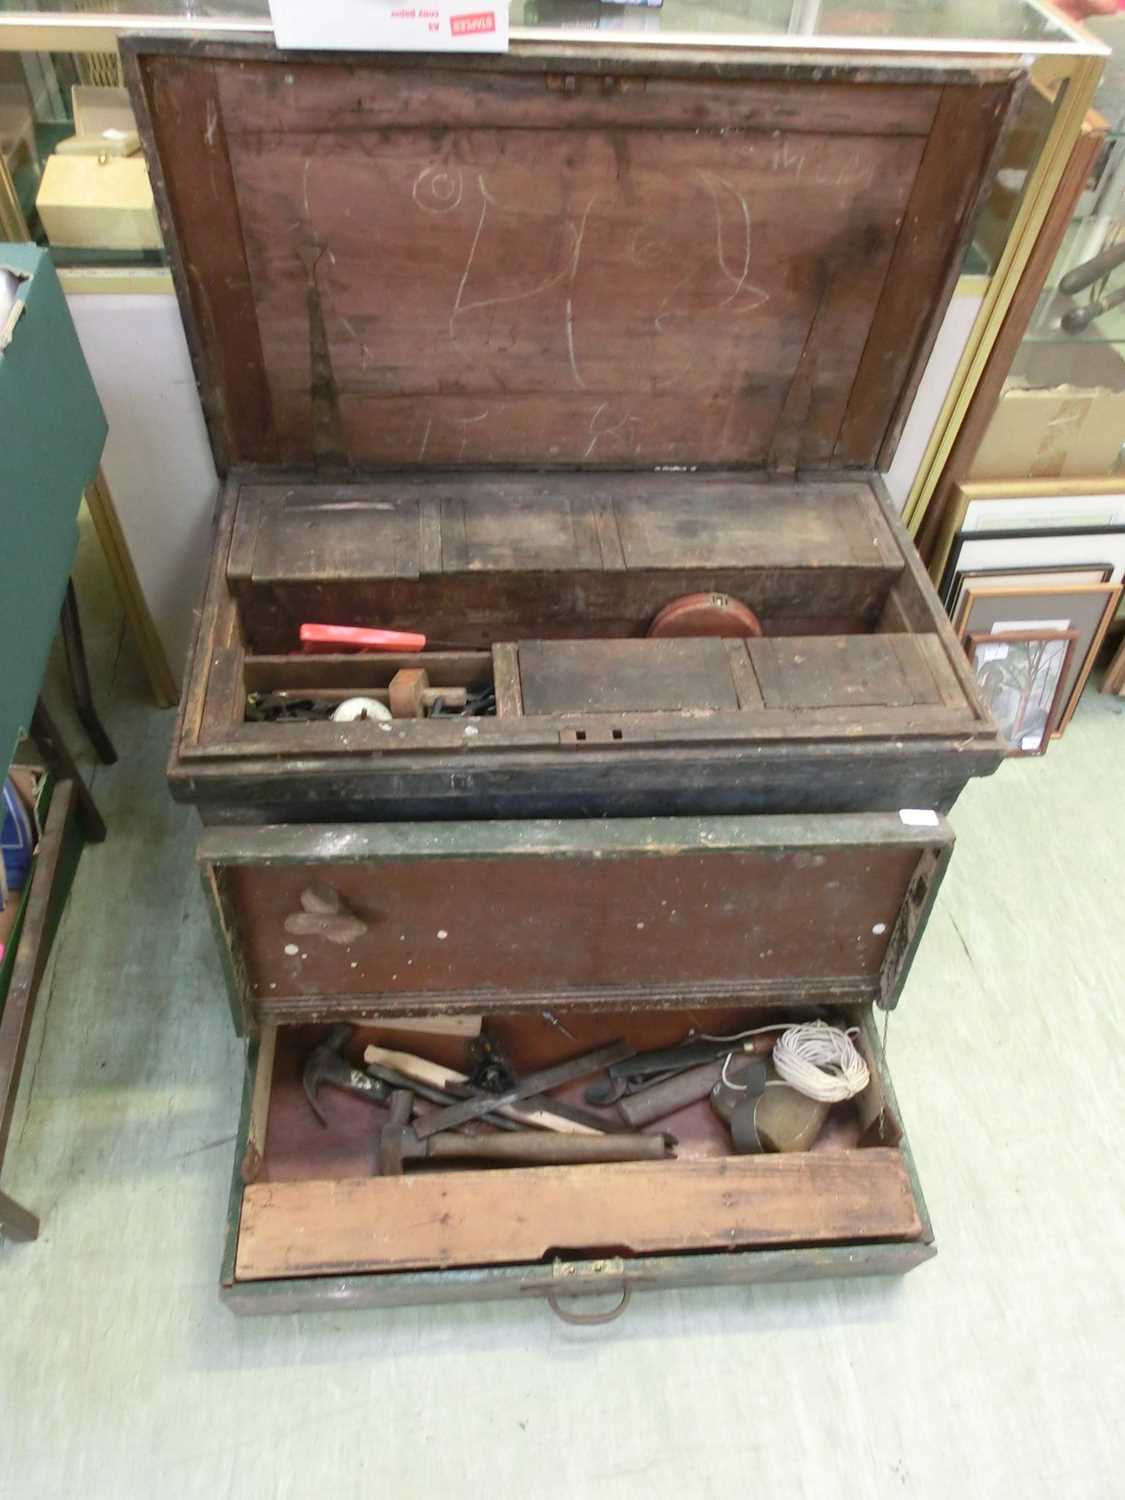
{"points": [[514, 353]]}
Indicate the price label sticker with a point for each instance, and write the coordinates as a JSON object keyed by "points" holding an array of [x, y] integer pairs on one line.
{"points": [[392, 25]]}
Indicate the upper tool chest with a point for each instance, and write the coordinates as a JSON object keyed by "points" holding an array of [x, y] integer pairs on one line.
{"points": [[582, 368]]}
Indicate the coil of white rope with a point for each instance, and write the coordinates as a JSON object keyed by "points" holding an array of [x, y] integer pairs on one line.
{"points": [[821, 1061]]}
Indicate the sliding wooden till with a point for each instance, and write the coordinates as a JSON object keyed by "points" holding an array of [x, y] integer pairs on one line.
{"points": [[316, 1207], [493, 1217]]}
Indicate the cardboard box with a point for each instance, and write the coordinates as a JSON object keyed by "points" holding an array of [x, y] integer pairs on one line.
{"points": [[1060, 432]]}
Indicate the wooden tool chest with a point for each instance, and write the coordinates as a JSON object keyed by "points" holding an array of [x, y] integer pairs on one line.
{"points": [[515, 353]]}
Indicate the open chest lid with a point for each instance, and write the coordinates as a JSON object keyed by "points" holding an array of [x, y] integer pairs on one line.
{"points": [[597, 257]]}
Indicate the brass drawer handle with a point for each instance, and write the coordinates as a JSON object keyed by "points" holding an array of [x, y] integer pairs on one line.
{"points": [[325, 914]]}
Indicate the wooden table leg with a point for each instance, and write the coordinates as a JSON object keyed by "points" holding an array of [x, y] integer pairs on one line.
{"points": [[15, 1222], [59, 759], [27, 974]]}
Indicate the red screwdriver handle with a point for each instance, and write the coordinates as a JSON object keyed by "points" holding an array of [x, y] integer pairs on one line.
{"points": [[359, 638]]}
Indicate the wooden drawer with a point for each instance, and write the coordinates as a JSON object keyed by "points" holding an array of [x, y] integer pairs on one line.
{"points": [[313, 1228], [512, 917]]}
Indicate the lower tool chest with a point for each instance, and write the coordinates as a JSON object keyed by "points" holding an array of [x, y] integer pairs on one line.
{"points": [[317, 1220], [625, 982]]}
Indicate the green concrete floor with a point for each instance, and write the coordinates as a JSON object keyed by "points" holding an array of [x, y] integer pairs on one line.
{"points": [[994, 1370]]}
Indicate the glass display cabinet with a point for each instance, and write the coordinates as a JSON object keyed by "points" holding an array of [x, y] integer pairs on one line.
{"points": [[1062, 410]]}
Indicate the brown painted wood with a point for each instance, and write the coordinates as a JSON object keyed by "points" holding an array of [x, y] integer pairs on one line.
{"points": [[789, 910], [605, 272], [466, 1218], [16, 1222], [928, 254], [195, 187]]}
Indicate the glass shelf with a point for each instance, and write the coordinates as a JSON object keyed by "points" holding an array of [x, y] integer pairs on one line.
{"points": [[974, 26]]}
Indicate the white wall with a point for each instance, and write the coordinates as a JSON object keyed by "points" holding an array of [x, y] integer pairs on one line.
{"points": [[944, 358], [157, 458]]}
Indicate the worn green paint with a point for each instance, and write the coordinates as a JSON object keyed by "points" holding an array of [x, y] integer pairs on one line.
{"points": [[579, 838], [645, 1273]]}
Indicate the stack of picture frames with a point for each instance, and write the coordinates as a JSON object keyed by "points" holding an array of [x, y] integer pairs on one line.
{"points": [[1031, 574]]}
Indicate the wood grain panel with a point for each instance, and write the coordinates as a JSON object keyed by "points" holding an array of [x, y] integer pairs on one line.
{"points": [[567, 677], [205, 232], [841, 671], [468, 1218], [275, 100], [928, 254], [562, 295], [577, 925]]}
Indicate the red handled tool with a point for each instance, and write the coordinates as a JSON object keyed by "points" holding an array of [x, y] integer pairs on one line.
{"points": [[358, 638]]}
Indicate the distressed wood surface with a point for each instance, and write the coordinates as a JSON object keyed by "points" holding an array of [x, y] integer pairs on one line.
{"points": [[679, 263], [566, 677], [929, 253], [466, 1218], [44, 907], [769, 908], [508, 557]]}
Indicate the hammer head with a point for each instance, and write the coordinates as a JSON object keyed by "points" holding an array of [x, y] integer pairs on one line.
{"points": [[396, 1137], [326, 1064]]}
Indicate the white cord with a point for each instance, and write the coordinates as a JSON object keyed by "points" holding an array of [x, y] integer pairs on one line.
{"points": [[821, 1062]]}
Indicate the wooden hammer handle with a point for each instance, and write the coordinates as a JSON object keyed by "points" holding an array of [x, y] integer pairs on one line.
{"points": [[424, 1071]]}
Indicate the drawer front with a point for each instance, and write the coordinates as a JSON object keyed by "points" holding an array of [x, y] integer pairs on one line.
{"points": [[347, 920], [300, 1231]]}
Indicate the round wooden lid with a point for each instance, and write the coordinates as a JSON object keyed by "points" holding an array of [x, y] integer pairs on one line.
{"points": [[705, 614]]}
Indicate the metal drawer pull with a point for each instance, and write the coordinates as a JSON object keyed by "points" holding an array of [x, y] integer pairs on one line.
{"points": [[325, 914], [585, 1320]]}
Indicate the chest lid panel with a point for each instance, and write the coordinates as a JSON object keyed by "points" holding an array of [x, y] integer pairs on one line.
{"points": [[597, 260], [507, 916]]}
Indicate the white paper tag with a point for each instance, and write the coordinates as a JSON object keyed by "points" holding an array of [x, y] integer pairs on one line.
{"points": [[918, 817], [1031, 742], [1027, 627], [393, 25]]}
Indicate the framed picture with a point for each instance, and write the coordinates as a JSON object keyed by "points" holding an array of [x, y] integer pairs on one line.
{"points": [[1040, 550], [1025, 578], [1030, 505], [1021, 677], [1084, 608]]}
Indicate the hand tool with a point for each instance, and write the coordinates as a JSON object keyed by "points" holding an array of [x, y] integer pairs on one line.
{"points": [[420, 1069], [624, 1077], [1078, 319], [765, 1115], [326, 1065], [1092, 270], [436, 1096], [525, 1088], [358, 638], [489, 1068], [662, 1099], [560, 1107], [399, 1143], [354, 710]]}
